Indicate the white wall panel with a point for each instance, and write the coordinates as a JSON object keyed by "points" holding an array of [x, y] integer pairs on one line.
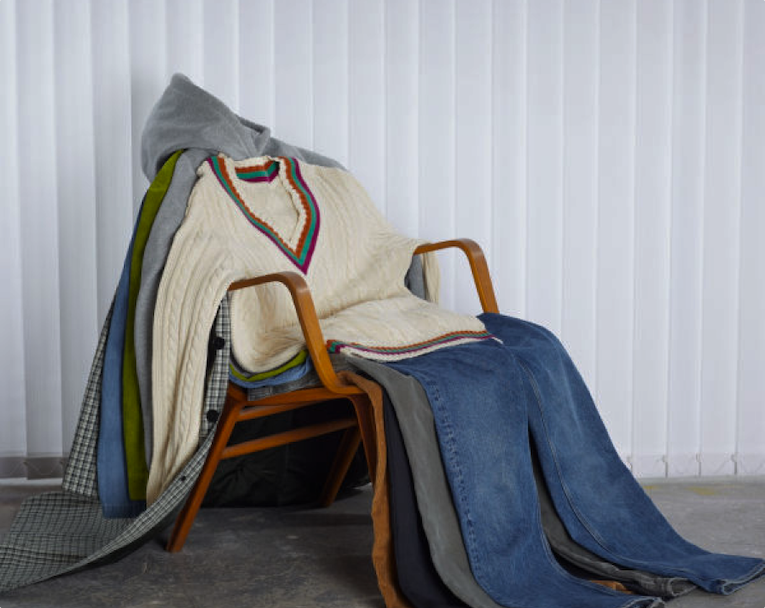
{"points": [[607, 155], [402, 160], [366, 97], [184, 38], [473, 114], [112, 117], [688, 143], [544, 116], [13, 440], [722, 215], [221, 44], [653, 167], [616, 195], [76, 193], [330, 80], [148, 75], [256, 61], [39, 227], [437, 132], [293, 80], [507, 257], [580, 182], [750, 418]]}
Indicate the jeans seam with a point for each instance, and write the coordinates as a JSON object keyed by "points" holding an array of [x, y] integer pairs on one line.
{"points": [[585, 523], [562, 571], [448, 428], [566, 491]]}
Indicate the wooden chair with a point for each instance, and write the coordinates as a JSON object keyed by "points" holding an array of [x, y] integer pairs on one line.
{"points": [[359, 429]]}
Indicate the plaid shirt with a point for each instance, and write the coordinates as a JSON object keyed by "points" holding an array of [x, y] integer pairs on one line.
{"points": [[59, 532]]}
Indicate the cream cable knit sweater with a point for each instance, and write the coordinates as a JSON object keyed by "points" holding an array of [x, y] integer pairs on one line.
{"points": [[258, 216]]}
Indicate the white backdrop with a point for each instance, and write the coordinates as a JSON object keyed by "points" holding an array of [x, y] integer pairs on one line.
{"points": [[607, 154]]}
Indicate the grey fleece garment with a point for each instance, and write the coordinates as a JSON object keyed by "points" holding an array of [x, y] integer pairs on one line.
{"points": [[189, 118], [439, 517]]}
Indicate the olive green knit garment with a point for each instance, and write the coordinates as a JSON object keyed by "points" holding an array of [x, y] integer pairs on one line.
{"points": [[132, 420]]}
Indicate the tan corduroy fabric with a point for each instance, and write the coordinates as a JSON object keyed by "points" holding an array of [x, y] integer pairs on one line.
{"points": [[382, 550]]}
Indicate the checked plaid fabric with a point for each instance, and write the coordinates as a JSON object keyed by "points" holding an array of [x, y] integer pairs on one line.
{"points": [[59, 532]]}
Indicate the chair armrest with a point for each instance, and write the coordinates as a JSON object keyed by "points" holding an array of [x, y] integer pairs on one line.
{"points": [[309, 323], [478, 267]]}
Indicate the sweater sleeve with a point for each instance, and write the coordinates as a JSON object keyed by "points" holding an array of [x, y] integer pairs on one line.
{"points": [[195, 279]]}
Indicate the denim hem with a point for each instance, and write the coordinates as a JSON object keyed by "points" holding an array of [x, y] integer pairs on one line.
{"points": [[727, 587]]}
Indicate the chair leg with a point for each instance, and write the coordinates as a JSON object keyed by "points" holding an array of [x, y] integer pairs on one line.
{"points": [[187, 515], [363, 433], [362, 404], [349, 444]]}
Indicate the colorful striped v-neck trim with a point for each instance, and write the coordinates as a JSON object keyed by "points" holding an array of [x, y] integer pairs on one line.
{"points": [[300, 254], [409, 350], [259, 173]]}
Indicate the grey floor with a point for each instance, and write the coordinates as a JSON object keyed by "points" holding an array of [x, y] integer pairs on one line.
{"points": [[294, 557]]}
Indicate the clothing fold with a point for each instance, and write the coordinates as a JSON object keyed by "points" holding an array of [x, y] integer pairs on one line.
{"points": [[486, 400], [439, 519], [602, 506]]}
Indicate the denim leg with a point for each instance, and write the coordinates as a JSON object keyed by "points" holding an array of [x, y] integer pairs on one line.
{"points": [[479, 395], [599, 501], [111, 466]]}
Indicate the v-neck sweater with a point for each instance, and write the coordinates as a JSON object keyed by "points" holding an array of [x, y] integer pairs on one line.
{"points": [[257, 216]]}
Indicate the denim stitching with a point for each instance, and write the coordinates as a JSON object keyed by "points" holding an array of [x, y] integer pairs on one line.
{"points": [[458, 477], [538, 397], [560, 569], [576, 511]]}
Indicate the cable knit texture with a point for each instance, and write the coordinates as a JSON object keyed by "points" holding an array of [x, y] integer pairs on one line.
{"points": [[245, 220]]}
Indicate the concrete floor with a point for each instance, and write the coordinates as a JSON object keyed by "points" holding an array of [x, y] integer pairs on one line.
{"points": [[295, 557]]}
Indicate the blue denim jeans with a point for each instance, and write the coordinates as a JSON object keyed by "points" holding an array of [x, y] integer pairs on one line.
{"points": [[111, 467], [488, 399]]}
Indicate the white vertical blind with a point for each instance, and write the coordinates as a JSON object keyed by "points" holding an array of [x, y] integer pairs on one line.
{"points": [[148, 74], [507, 250], [76, 193], [722, 216], [607, 155], [220, 61], [750, 421], [653, 165], [113, 142], [184, 37], [473, 114], [686, 238], [13, 440], [293, 72], [544, 162], [330, 84], [402, 61], [366, 96], [580, 182], [256, 49], [437, 131], [39, 229], [615, 259]]}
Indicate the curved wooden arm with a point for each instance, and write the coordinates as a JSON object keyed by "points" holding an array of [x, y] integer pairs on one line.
{"points": [[478, 266], [309, 322]]}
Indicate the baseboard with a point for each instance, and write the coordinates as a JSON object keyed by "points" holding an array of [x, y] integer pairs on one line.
{"points": [[34, 467]]}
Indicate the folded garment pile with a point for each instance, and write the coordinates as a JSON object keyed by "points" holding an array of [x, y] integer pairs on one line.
{"points": [[500, 486]]}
